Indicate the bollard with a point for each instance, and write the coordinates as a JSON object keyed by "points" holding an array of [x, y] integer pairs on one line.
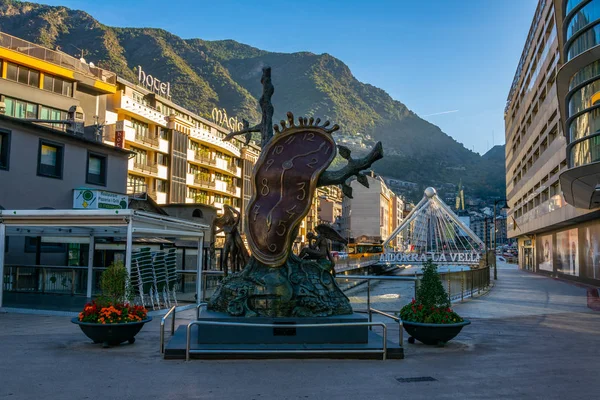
{"points": [[369, 302]]}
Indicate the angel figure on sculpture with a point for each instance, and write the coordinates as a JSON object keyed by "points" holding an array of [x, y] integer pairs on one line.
{"points": [[319, 245]]}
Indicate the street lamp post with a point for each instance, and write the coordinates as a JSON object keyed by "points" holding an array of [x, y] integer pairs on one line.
{"points": [[485, 239], [503, 208]]}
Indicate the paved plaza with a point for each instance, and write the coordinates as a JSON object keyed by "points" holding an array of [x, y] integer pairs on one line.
{"points": [[531, 337]]}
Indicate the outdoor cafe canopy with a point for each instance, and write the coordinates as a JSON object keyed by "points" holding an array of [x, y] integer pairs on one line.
{"points": [[90, 224]]}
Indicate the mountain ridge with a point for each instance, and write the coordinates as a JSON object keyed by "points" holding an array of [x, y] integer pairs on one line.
{"points": [[226, 74]]}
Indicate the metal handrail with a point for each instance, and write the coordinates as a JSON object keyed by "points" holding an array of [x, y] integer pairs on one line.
{"points": [[188, 351], [173, 311], [397, 319], [198, 307]]}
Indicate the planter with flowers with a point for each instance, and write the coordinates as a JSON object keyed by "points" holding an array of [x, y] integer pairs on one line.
{"points": [[112, 319], [429, 318]]}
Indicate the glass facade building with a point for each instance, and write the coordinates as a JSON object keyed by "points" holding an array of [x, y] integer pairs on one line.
{"points": [[552, 123]]}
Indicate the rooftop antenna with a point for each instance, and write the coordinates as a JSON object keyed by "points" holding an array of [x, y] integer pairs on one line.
{"points": [[83, 52]]}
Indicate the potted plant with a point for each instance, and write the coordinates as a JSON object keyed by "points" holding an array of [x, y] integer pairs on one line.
{"points": [[112, 319], [429, 318]]}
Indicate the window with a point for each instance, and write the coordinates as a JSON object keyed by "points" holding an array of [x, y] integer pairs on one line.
{"points": [[50, 159], [161, 186], [58, 85], [20, 109], [162, 159], [4, 148], [53, 114], [136, 184], [141, 128], [163, 133], [22, 74], [96, 169], [193, 169], [141, 156], [193, 145]]}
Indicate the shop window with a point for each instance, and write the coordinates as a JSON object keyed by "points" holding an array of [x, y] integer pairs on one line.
{"points": [[96, 169], [50, 160], [4, 149]]}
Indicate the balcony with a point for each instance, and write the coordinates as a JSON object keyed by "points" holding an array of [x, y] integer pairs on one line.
{"points": [[148, 140], [207, 137], [141, 111], [232, 189], [202, 181], [204, 158], [145, 167], [232, 168]]}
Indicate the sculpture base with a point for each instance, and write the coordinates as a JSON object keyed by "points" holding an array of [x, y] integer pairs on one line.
{"points": [[287, 333], [299, 288], [246, 342]]}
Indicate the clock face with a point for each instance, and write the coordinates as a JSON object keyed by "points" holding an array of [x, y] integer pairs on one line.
{"points": [[284, 182]]}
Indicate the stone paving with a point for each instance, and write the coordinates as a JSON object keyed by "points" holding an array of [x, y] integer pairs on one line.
{"points": [[531, 337]]}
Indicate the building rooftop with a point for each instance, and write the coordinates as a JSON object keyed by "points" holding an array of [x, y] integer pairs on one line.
{"points": [[47, 129]]}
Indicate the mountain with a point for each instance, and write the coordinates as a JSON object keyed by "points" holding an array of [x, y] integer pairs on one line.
{"points": [[226, 74]]}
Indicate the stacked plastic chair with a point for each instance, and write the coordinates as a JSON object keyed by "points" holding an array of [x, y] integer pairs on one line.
{"points": [[160, 278], [172, 277], [143, 277]]}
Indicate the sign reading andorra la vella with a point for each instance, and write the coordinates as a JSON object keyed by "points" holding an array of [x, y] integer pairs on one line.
{"points": [[92, 199], [444, 258], [220, 118]]}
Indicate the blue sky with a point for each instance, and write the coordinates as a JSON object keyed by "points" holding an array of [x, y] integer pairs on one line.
{"points": [[433, 55]]}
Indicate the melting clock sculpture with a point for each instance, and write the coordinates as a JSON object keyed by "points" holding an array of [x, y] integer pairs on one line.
{"points": [[292, 164]]}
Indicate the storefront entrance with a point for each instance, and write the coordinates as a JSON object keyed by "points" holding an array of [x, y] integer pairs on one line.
{"points": [[526, 255]]}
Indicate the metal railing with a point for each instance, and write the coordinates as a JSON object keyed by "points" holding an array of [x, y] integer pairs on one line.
{"points": [[48, 279], [231, 188], [189, 351], [151, 168], [199, 180], [173, 311], [148, 140], [232, 167], [55, 57], [204, 158]]}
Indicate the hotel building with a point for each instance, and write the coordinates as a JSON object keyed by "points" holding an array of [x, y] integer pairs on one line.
{"points": [[180, 157], [551, 151]]}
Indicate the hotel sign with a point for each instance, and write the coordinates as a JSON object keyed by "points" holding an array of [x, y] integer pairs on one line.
{"points": [[153, 84], [417, 258], [220, 118], [120, 134], [91, 199]]}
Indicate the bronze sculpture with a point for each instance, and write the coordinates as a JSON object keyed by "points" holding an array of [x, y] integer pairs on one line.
{"points": [[292, 164], [235, 253], [319, 245]]}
